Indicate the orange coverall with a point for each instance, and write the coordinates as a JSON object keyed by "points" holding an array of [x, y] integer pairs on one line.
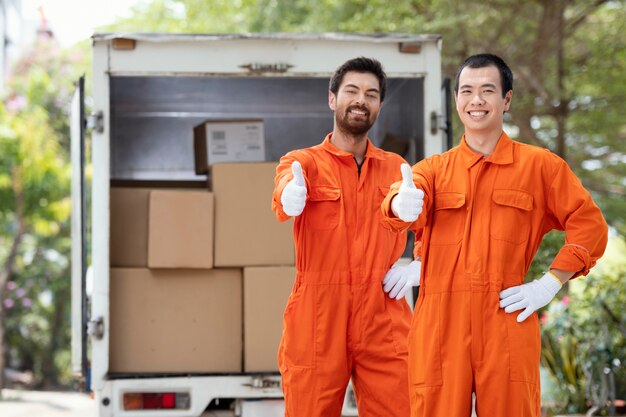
{"points": [[482, 223], [338, 322]]}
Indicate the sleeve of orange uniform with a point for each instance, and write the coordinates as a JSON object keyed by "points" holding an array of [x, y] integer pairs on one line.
{"points": [[283, 176], [423, 178], [573, 210]]}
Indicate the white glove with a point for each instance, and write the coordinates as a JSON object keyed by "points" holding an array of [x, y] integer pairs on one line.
{"points": [[407, 204], [293, 197], [531, 296], [401, 278]]}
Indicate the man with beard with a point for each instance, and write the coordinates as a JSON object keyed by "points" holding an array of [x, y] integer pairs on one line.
{"points": [[338, 323]]}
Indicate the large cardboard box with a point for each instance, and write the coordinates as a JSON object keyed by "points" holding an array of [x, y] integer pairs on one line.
{"points": [[180, 232], [216, 141], [265, 294], [129, 227], [246, 230], [178, 321]]}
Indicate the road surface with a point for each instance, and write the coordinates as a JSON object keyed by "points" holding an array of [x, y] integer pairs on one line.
{"points": [[18, 403]]}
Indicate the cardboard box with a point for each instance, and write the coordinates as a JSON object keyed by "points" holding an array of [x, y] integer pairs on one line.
{"points": [[265, 294], [129, 227], [180, 231], [247, 232], [216, 141], [178, 321]]}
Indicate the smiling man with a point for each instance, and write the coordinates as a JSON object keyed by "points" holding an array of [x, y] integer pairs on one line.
{"points": [[487, 204], [338, 323]]}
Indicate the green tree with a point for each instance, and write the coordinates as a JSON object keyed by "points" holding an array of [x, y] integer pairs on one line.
{"points": [[34, 210], [189, 16], [32, 191]]}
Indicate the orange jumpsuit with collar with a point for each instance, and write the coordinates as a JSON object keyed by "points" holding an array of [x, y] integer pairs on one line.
{"points": [[482, 223], [338, 322]]}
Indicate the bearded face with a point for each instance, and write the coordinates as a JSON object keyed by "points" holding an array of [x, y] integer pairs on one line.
{"points": [[357, 103]]}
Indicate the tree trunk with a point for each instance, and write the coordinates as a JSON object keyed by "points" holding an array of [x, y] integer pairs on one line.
{"points": [[563, 102], [614, 317]]}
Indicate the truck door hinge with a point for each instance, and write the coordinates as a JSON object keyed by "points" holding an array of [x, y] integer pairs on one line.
{"points": [[95, 328], [437, 121], [95, 121]]}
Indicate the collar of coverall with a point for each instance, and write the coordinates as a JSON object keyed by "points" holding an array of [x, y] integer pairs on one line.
{"points": [[502, 155], [371, 151]]}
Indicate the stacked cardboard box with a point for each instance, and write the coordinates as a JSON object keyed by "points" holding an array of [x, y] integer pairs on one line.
{"points": [[179, 321], [179, 303], [129, 227], [248, 235], [217, 141], [265, 294], [161, 228], [180, 229], [246, 230]]}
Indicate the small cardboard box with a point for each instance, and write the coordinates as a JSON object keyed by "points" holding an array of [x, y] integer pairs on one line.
{"points": [[247, 232], [180, 231], [129, 227], [216, 141], [265, 294], [175, 321]]}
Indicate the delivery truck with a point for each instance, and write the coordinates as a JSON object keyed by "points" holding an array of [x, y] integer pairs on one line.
{"points": [[178, 285]]}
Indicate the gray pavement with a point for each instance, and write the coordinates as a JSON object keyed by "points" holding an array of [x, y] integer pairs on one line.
{"points": [[18, 403]]}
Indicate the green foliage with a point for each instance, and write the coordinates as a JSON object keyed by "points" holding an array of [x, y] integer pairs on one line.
{"points": [[188, 16], [584, 335], [597, 144], [560, 356], [39, 335], [34, 192], [550, 246]]}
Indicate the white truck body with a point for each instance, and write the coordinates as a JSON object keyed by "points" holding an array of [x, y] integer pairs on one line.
{"points": [[412, 63]]}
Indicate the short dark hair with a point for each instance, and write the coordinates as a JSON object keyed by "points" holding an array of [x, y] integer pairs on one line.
{"points": [[360, 64], [488, 60]]}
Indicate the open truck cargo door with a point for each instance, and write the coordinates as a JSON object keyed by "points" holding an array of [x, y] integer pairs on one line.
{"points": [[79, 233]]}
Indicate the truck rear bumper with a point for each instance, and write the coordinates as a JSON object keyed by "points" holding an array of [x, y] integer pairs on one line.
{"points": [[202, 390]]}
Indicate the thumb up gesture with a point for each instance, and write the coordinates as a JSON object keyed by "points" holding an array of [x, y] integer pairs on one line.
{"points": [[407, 204], [293, 197]]}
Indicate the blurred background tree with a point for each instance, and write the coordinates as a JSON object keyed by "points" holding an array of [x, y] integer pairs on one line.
{"points": [[584, 340], [34, 213], [568, 56]]}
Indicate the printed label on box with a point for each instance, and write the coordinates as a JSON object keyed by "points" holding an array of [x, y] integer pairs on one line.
{"points": [[235, 142]]}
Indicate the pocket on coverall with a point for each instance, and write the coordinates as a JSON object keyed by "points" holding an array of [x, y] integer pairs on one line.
{"points": [[425, 343], [510, 215], [448, 218], [524, 342], [323, 208], [397, 312], [300, 324]]}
